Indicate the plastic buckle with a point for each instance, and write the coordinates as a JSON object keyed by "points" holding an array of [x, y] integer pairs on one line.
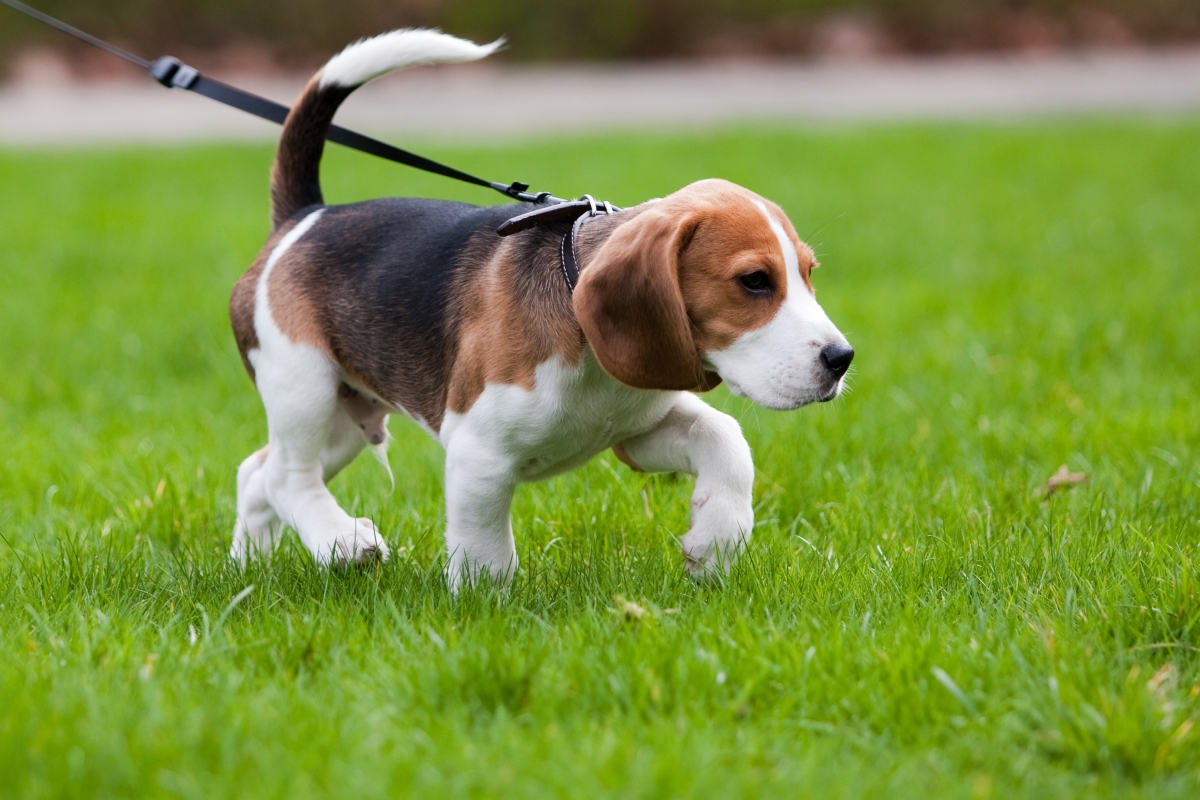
{"points": [[185, 76], [163, 69], [173, 73]]}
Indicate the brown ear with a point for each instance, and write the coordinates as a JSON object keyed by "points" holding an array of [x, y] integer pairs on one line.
{"points": [[630, 305]]}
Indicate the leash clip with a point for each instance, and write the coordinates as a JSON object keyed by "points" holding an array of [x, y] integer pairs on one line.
{"points": [[520, 191], [173, 73]]}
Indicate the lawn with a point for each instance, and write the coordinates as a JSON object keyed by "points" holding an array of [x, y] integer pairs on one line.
{"points": [[912, 619]]}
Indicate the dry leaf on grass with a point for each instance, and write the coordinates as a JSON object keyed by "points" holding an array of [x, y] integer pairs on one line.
{"points": [[1064, 478], [630, 610]]}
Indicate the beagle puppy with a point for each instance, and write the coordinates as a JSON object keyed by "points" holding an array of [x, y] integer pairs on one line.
{"points": [[418, 307]]}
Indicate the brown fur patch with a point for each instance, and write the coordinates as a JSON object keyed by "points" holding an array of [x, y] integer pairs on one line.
{"points": [[732, 239], [515, 314], [630, 305], [241, 301], [291, 302], [665, 287]]}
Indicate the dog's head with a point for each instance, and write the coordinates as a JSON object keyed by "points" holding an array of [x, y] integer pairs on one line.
{"points": [[711, 283]]}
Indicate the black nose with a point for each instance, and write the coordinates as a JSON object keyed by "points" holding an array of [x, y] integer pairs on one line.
{"points": [[837, 358]]}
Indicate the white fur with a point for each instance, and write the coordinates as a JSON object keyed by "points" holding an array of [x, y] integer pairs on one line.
{"points": [[779, 365], [370, 58], [511, 435], [310, 439]]}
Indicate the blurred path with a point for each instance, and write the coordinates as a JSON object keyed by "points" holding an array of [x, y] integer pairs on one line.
{"points": [[478, 101]]}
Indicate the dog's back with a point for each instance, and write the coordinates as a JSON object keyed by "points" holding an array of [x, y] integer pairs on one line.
{"points": [[377, 286], [372, 274]]}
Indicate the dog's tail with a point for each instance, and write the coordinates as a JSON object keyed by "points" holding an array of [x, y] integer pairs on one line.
{"points": [[296, 177]]}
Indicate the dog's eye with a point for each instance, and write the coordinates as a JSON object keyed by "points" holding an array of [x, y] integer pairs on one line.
{"points": [[757, 282]]}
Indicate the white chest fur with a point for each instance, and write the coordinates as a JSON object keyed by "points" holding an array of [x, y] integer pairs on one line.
{"points": [[571, 414]]}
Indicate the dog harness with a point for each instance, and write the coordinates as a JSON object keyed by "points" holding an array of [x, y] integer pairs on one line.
{"points": [[578, 213]]}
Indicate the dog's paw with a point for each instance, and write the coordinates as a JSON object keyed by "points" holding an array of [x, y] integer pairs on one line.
{"points": [[239, 554], [720, 529], [710, 563], [362, 546], [253, 545], [243, 551]]}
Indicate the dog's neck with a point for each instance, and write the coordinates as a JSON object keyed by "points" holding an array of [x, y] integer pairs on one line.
{"points": [[592, 235]]}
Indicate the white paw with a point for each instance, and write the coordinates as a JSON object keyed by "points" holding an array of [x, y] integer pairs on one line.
{"points": [[252, 545], [362, 546], [239, 553], [719, 534], [705, 563]]}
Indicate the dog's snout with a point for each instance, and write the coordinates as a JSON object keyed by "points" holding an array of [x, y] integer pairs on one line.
{"points": [[837, 358]]}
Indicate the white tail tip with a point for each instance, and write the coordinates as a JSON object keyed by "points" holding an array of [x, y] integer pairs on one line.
{"points": [[368, 59]]}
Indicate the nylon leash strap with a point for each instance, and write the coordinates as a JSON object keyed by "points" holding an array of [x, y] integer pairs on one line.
{"points": [[174, 74]]}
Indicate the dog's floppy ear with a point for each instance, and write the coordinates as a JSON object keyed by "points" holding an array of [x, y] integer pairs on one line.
{"points": [[630, 305]]}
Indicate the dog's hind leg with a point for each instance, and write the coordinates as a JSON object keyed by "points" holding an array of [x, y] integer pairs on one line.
{"points": [[256, 532], [311, 438], [345, 441]]}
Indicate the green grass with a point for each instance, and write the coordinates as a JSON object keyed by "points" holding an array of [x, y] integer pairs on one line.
{"points": [[911, 619]]}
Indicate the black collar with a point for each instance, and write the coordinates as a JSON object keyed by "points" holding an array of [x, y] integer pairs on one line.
{"points": [[578, 213]]}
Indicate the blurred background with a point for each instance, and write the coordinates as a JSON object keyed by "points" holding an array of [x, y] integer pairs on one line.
{"points": [[293, 34], [1020, 285]]}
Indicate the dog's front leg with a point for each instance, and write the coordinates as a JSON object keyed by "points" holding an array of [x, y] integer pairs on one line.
{"points": [[479, 492], [697, 439]]}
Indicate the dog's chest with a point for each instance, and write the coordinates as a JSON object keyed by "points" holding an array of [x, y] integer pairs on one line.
{"points": [[571, 414]]}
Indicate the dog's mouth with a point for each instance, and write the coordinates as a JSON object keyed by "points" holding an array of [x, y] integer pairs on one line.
{"points": [[833, 393], [734, 388], [779, 398], [778, 401]]}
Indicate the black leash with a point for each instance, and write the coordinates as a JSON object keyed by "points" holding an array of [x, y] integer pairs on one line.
{"points": [[173, 73]]}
